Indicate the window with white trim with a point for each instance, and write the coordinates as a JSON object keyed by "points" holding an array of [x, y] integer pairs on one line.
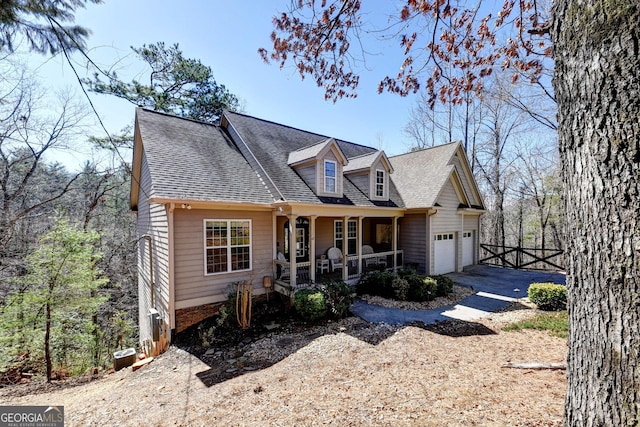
{"points": [[227, 245], [352, 235], [379, 183], [330, 171]]}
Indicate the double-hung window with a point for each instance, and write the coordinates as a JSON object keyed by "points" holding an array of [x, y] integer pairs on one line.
{"points": [[227, 245], [352, 235], [379, 183], [329, 176]]}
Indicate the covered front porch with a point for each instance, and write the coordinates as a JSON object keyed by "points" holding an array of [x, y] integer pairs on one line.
{"points": [[327, 244]]}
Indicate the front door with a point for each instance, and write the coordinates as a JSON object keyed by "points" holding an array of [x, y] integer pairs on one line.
{"points": [[302, 239]]}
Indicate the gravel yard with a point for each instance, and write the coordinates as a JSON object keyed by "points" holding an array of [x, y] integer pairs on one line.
{"points": [[343, 373]]}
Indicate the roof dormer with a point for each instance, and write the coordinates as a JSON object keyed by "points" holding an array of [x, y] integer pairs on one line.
{"points": [[370, 173], [321, 167]]}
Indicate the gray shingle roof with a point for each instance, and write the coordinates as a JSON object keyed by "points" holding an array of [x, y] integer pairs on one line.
{"points": [[189, 160], [308, 153], [361, 162], [420, 190], [270, 143]]}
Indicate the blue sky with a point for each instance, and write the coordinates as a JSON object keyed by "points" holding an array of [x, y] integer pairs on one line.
{"points": [[226, 36]]}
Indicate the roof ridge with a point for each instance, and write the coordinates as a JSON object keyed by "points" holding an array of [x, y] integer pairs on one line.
{"points": [[175, 116], [426, 149], [314, 144], [300, 130]]}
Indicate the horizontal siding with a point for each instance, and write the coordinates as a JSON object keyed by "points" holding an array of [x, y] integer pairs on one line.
{"points": [[379, 165], [361, 181], [308, 174], [190, 280], [465, 181], [471, 222], [447, 217], [413, 240], [339, 170], [152, 222]]}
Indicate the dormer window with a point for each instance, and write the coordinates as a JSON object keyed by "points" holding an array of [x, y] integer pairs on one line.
{"points": [[379, 183], [329, 176]]}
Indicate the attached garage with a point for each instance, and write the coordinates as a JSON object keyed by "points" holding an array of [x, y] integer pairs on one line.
{"points": [[467, 248], [444, 253]]}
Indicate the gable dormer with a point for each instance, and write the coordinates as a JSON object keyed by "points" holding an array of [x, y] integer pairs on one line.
{"points": [[370, 173], [321, 166]]}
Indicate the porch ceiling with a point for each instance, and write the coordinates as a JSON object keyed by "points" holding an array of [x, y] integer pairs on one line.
{"points": [[328, 210]]}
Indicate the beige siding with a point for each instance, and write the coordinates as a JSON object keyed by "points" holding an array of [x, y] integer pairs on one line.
{"points": [[324, 235], [413, 240], [308, 174], [152, 222], [471, 222], [447, 219], [192, 286], [320, 174], [361, 181], [465, 182], [372, 195]]}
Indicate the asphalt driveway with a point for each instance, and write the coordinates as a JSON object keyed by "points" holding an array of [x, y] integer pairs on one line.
{"points": [[495, 289]]}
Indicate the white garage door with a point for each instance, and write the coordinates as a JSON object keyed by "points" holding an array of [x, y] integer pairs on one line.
{"points": [[445, 253], [467, 248]]}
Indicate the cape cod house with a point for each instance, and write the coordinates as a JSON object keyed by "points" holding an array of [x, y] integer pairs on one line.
{"points": [[253, 200]]}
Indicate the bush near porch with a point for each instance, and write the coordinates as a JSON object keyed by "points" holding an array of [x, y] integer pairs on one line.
{"points": [[406, 285], [329, 299]]}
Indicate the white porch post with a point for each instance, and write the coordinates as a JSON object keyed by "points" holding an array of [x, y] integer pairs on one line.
{"points": [[360, 220], [394, 244], [293, 275], [312, 249], [345, 246], [274, 243]]}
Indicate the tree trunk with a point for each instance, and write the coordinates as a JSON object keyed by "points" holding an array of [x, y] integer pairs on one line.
{"points": [[47, 341], [597, 83]]}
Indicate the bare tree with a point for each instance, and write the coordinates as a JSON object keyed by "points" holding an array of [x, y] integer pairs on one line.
{"points": [[29, 130]]}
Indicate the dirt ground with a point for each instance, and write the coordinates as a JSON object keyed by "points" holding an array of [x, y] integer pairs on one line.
{"points": [[345, 373]]}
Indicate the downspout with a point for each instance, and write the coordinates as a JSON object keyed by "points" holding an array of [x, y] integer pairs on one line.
{"points": [[151, 284]]}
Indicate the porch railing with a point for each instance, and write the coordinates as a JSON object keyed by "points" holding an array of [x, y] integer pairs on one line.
{"points": [[379, 260]]}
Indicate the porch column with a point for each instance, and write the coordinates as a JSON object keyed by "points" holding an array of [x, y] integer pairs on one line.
{"points": [[274, 243], [394, 244], [345, 246], [360, 220], [312, 249], [293, 275]]}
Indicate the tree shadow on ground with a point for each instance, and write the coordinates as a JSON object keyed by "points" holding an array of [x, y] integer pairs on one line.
{"points": [[274, 335], [455, 328]]}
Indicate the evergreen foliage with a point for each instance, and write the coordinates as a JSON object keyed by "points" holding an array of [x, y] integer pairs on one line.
{"points": [[177, 85], [48, 319]]}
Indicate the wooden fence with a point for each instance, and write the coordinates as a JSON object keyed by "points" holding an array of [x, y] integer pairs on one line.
{"points": [[520, 258]]}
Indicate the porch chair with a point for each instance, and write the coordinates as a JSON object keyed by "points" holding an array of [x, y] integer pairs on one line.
{"points": [[335, 258], [368, 250], [283, 269]]}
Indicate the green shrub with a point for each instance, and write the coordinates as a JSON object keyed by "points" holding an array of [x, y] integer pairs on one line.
{"points": [[377, 283], [548, 296], [406, 272], [422, 288], [400, 289], [310, 304], [445, 285], [338, 298]]}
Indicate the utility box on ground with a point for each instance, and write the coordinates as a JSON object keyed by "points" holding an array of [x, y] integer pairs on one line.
{"points": [[124, 358]]}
